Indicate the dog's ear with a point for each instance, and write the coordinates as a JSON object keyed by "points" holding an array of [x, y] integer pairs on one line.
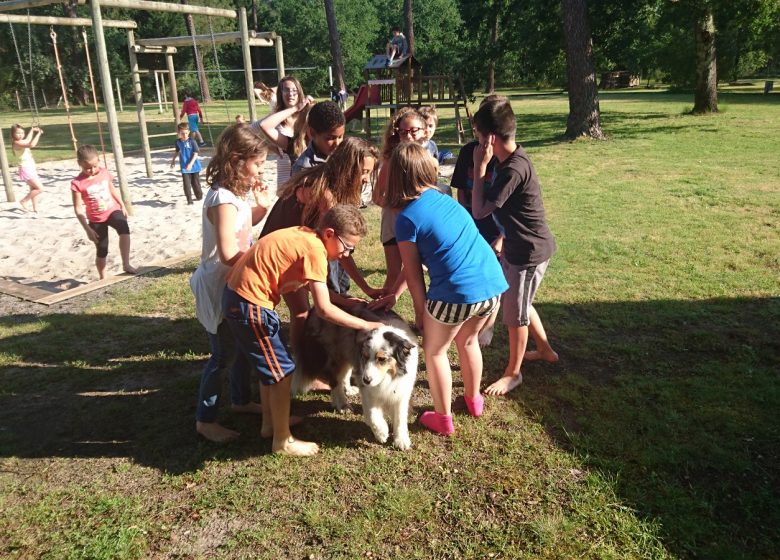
{"points": [[401, 348]]}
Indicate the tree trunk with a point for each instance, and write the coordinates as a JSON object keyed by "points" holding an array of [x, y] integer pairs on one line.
{"points": [[706, 93], [409, 24], [202, 80], [490, 86], [80, 95], [335, 45], [257, 59], [584, 115]]}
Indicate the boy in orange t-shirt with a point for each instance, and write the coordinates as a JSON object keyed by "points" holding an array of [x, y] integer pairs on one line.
{"points": [[279, 263]]}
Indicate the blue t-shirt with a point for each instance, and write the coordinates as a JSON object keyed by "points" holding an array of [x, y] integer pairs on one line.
{"points": [[461, 265], [186, 149]]}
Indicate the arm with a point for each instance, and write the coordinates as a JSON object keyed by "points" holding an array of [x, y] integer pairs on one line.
{"points": [[224, 219], [175, 154], [329, 312], [380, 187], [413, 274], [38, 132], [193, 158], [264, 200], [351, 268], [268, 126], [481, 208], [78, 208]]}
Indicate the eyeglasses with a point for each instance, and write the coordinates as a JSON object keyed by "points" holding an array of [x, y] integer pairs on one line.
{"points": [[408, 131], [289, 90], [348, 249]]}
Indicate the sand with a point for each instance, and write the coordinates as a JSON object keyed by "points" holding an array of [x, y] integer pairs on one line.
{"points": [[50, 250]]}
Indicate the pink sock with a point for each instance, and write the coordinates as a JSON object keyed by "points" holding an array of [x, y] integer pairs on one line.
{"points": [[475, 404], [439, 423]]}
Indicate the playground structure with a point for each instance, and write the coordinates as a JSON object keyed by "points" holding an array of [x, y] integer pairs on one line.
{"points": [[400, 83], [166, 46]]}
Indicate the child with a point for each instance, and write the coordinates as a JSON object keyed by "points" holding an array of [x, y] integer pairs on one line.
{"points": [[465, 279], [240, 119], [266, 94], [515, 198], [306, 198], [431, 122], [406, 126], [325, 127], [27, 170], [187, 151], [277, 264], [397, 47], [234, 172], [463, 181], [192, 109], [104, 208], [285, 127]]}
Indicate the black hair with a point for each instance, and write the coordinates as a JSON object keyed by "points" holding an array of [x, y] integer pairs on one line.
{"points": [[325, 116], [496, 117]]}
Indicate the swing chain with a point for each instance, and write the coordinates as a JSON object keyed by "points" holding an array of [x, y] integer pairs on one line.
{"points": [[30, 58], [219, 70], [21, 71]]}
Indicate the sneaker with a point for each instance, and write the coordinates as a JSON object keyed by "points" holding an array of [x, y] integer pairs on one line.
{"points": [[201, 143]]}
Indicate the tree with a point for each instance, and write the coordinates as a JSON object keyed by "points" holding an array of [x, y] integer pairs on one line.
{"points": [[584, 115], [705, 97], [335, 45], [409, 24]]}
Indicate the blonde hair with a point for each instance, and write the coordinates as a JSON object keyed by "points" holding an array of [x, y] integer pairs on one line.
{"points": [[235, 146], [411, 169], [429, 112], [391, 138], [337, 181], [297, 144]]}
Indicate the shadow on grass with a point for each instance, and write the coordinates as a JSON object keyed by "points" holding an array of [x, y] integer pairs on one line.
{"points": [[677, 402]]}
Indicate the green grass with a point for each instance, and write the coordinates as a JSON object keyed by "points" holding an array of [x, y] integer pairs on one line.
{"points": [[656, 436]]}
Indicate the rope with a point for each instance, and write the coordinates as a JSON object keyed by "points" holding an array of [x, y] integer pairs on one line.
{"points": [[21, 70], [64, 90], [94, 97], [219, 70], [200, 86], [30, 58]]}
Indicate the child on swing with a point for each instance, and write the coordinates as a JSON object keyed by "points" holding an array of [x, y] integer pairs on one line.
{"points": [[94, 189], [194, 113], [22, 146]]}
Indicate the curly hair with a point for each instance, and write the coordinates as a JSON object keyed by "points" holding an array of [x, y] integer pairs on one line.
{"points": [[391, 138], [337, 181], [235, 146]]}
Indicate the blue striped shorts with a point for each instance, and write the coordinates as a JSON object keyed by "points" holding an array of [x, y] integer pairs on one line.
{"points": [[456, 313]]}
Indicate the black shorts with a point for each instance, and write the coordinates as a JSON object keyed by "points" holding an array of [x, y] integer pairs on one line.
{"points": [[117, 221]]}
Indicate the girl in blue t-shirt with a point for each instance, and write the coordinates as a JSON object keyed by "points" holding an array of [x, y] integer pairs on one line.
{"points": [[465, 278]]}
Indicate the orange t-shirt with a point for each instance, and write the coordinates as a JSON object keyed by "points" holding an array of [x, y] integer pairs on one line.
{"points": [[279, 263]]}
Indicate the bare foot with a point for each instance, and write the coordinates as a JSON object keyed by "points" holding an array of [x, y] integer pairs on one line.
{"points": [[318, 385], [485, 337], [130, 269], [536, 355], [504, 385], [214, 432], [296, 447], [24, 206], [248, 408]]}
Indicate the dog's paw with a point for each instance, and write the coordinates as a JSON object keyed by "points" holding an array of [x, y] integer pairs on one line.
{"points": [[351, 390], [381, 432], [402, 442], [343, 408]]}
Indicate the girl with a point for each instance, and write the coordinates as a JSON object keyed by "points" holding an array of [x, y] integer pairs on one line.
{"points": [[104, 207], [465, 278], [286, 126], [307, 197], [408, 125], [234, 172], [21, 147]]}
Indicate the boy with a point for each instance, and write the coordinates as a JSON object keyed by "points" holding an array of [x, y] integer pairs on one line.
{"points": [[187, 151], [280, 263], [325, 126], [515, 198], [104, 207], [192, 109], [397, 47], [431, 122]]}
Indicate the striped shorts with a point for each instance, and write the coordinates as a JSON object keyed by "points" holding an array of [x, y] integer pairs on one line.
{"points": [[457, 313]]}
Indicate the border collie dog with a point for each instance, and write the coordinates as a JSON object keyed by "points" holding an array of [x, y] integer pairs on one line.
{"points": [[382, 363]]}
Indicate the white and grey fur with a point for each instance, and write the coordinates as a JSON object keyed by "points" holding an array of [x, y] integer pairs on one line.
{"points": [[382, 363]]}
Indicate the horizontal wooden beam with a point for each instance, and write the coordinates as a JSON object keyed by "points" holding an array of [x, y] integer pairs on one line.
{"points": [[153, 49], [148, 6], [265, 39], [70, 22], [11, 5]]}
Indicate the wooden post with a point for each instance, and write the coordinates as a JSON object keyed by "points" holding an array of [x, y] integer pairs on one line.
{"points": [[159, 96], [247, 55], [139, 102], [174, 93], [279, 57], [9, 186], [108, 99]]}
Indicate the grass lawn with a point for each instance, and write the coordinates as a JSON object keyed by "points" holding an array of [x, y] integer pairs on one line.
{"points": [[657, 435]]}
